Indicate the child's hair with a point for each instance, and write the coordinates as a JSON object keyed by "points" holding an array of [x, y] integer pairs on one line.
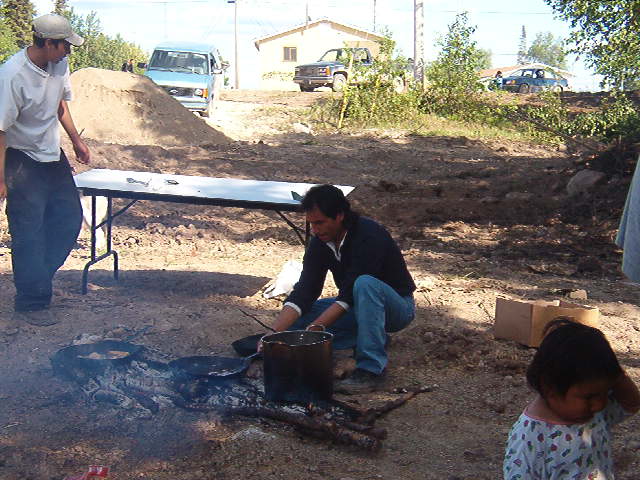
{"points": [[571, 353]]}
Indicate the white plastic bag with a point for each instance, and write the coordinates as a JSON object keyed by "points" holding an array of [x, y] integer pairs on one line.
{"points": [[286, 279]]}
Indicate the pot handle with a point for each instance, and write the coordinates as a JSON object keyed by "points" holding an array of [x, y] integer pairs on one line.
{"points": [[315, 325]]}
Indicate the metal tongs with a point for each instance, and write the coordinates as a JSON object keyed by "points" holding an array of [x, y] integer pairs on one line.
{"points": [[133, 180], [168, 181]]}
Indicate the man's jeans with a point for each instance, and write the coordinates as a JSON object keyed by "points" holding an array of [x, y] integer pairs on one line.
{"points": [[377, 309], [45, 216]]}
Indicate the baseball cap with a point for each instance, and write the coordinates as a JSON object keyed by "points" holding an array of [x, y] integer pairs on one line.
{"points": [[56, 27]]}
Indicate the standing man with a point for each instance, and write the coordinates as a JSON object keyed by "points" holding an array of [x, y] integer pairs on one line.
{"points": [[43, 207], [375, 288], [127, 66]]}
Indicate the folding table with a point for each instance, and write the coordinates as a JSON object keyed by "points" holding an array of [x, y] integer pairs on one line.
{"points": [[228, 192]]}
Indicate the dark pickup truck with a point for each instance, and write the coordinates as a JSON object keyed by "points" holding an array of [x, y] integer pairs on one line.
{"points": [[331, 69]]}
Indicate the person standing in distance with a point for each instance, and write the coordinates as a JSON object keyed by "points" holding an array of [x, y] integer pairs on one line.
{"points": [[43, 207], [127, 66], [375, 287]]}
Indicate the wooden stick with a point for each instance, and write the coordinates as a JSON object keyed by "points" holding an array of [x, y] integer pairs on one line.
{"points": [[256, 319], [328, 428], [376, 432], [371, 414]]}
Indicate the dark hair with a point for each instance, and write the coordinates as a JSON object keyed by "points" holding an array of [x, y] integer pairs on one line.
{"points": [[330, 201], [571, 353], [39, 42]]}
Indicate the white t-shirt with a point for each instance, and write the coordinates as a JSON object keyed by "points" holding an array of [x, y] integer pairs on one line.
{"points": [[539, 450], [29, 107]]}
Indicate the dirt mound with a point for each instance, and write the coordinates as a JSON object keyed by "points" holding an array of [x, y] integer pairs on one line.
{"points": [[129, 109]]}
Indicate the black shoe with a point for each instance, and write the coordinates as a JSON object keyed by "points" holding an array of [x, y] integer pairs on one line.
{"points": [[360, 381]]}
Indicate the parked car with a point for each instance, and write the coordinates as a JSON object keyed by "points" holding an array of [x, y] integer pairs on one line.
{"points": [[190, 72], [529, 80]]}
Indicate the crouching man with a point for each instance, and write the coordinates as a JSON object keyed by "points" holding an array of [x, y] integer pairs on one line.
{"points": [[43, 208], [375, 288]]}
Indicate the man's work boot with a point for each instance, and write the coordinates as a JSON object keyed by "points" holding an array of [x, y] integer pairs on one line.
{"points": [[37, 318], [360, 381]]}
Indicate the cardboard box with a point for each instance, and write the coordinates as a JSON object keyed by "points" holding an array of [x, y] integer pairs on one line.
{"points": [[524, 321]]}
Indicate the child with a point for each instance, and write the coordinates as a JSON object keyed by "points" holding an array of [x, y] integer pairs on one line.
{"points": [[582, 392]]}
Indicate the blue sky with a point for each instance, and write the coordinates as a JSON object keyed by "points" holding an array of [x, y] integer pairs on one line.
{"points": [[148, 22]]}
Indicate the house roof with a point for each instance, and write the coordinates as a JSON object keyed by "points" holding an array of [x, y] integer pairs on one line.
{"points": [[373, 35], [506, 71]]}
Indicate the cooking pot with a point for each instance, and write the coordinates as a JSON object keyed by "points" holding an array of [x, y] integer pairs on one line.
{"points": [[298, 366], [89, 359]]}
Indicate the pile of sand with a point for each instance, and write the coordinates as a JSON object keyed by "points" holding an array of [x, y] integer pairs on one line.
{"points": [[129, 109]]}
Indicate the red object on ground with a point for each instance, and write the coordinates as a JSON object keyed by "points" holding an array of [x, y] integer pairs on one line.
{"points": [[94, 472]]}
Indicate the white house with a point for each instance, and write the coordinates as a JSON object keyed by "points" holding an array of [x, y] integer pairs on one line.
{"points": [[280, 52]]}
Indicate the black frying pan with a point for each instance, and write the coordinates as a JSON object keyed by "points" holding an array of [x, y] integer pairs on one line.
{"points": [[94, 358], [248, 345], [212, 366]]}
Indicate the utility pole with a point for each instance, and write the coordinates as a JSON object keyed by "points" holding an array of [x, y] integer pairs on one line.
{"points": [[418, 40], [165, 21], [236, 82], [374, 15]]}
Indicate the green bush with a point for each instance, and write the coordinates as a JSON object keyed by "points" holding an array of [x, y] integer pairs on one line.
{"points": [[617, 117], [382, 96]]}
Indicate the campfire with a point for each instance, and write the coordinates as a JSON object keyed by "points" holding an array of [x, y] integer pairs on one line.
{"points": [[142, 380]]}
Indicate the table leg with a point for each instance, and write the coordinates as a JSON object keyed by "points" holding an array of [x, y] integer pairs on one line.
{"points": [[296, 228], [94, 257]]}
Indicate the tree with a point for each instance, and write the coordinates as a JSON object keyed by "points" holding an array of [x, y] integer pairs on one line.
{"points": [[99, 50], [484, 58], [522, 47], [454, 74], [607, 32], [61, 7], [18, 16], [548, 49], [8, 45]]}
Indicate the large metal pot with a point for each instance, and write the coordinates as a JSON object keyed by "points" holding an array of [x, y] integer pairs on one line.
{"points": [[298, 366]]}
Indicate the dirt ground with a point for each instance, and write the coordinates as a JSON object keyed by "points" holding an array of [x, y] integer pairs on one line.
{"points": [[476, 220]]}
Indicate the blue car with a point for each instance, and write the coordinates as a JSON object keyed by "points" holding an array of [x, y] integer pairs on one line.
{"points": [[530, 80]]}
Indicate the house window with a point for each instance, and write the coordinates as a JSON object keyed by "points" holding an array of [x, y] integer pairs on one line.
{"points": [[290, 54]]}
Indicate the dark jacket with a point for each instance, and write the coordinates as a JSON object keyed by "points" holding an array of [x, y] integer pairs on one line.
{"points": [[368, 249]]}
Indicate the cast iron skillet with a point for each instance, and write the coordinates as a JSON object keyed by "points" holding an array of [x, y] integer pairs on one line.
{"points": [[248, 345], [212, 366], [78, 357]]}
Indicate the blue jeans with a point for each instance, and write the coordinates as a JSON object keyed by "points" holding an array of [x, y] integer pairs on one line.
{"points": [[377, 309], [44, 216]]}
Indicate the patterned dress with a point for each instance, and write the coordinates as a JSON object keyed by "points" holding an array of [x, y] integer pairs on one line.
{"points": [[539, 450]]}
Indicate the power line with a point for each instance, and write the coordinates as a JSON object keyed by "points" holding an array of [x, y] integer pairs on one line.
{"points": [[491, 12]]}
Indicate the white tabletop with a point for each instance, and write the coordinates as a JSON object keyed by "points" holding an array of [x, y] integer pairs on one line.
{"points": [[186, 186]]}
